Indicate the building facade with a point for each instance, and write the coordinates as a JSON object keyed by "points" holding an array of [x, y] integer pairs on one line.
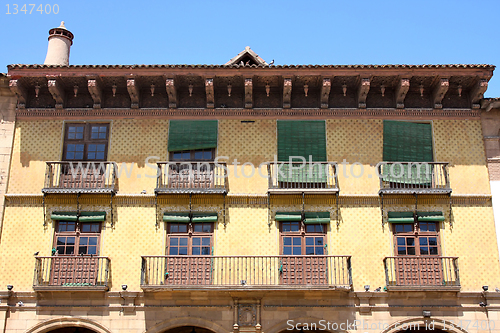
{"points": [[171, 198]]}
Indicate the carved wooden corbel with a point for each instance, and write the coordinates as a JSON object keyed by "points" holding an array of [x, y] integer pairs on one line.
{"points": [[171, 92], [56, 90], [209, 89], [439, 91], [18, 88], [133, 91], [364, 87], [325, 93], [287, 93], [248, 93], [401, 91], [95, 91], [478, 92]]}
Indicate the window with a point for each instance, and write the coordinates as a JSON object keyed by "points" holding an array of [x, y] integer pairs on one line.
{"points": [[193, 155], [302, 239], [86, 142], [74, 238], [302, 138], [190, 239], [407, 142], [420, 239]]}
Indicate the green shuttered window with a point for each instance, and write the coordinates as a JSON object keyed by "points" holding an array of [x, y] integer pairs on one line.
{"points": [[184, 217], [407, 142], [83, 217], [301, 138], [192, 134]]}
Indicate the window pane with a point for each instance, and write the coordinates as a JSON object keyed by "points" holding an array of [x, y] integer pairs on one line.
{"points": [[319, 251], [84, 240], [183, 227], [198, 155], [401, 250], [92, 250], [309, 241], [174, 241], [207, 227], [207, 155], [297, 251], [183, 251], [401, 241], [433, 250], [174, 251], [399, 228], [411, 251], [432, 226], [70, 240], [319, 241], [186, 155], [424, 250], [177, 156], [295, 226], [196, 251], [174, 227], [287, 241], [423, 241], [82, 250], [183, 241], [297, 241], [410, 241], [61, 241], [408, 227], [205, 241], [196, 241], [205, 251], [309, 250], [198, 227], [423, 226], [432, 241], [287, 250], [92, 240]]}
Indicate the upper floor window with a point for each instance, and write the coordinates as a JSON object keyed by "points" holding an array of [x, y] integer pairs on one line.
{"points": [[86, 142], [190, 238], [193, 140], [73, 238]]}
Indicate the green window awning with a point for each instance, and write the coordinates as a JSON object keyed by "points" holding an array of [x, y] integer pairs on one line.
{"points": [[407, 142], [192, 134], [184, 217], [204, 217], [83, 217], [176, 217], [288, 216], [317, 217], [430, 216], [301, 138], [400, 217]]}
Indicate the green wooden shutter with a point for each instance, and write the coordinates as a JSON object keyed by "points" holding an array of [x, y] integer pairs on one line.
{"points": [[301, 138], [204, 217], [317, 217], [407, 142], [288, 216], [176, 217], [430, 216], [400, 217], [192, 134], [83, 217]]}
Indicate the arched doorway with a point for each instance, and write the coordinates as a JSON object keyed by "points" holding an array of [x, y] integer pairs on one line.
{"points": [[187, 329], [72, 330]]}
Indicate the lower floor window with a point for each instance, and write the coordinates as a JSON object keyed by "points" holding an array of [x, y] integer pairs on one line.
{"points": [[415, 239], [74, 238], [189, 239], [300, 239]]}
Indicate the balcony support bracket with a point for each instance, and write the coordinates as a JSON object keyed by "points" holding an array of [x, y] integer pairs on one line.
{"points": [[111, 206], [78, 204], [157, 223], [269, 210], [44, 212], [338, 213], [382, 206], [303, 206], [224, 210], [451, 223]]}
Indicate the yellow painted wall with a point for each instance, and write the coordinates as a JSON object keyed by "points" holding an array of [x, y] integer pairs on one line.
{"points": [[359, 233]]}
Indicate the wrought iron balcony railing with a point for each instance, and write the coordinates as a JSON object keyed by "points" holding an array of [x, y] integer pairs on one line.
{"points": [[429, 272], [62, 177], [71, 272], [267, 272], [195, 177], [289, 177], [414, 177]]}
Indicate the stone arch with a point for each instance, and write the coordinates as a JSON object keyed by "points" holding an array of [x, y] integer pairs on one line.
{"points": [[53, 324], [440, 324], [283, 325], [186, 321]]}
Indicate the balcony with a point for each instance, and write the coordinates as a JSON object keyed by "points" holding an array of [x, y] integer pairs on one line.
{"points": [[80, 177], [84, 273], [422, 273], [191, 177], [414, 178], [293, 178], [246, 272]]}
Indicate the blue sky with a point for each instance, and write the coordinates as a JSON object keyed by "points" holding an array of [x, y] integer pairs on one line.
{"points": [[291, 32]]}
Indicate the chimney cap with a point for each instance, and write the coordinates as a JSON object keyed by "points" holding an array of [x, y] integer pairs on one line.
{"points": [[61, 31]]}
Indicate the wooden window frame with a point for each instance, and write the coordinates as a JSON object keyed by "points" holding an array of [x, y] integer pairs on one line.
{"points": [[192, 155], [416, 233], [189, 235], [86, 140], [78, 234], [303, 233]]}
